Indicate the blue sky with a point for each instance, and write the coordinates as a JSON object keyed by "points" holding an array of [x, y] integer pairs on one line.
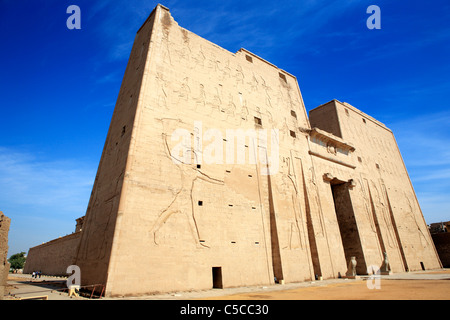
{"points": [[58, 87]]}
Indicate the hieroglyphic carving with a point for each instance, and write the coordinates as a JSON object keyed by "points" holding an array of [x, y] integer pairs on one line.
{"points": [[243, 115], [165, 43], [382, 211], [239, 75], [367, 205], [284, 130], [266, 91], [200, 101], [183, 200], [253, 83], [315, 201], [217, 99], [199, 58], [290, 189], [230, 108], [272, 122], [184, 51], [226, 71], [161, 95], [183, 94], [412, 213]]}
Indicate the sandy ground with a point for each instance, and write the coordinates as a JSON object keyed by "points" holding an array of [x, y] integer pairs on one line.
{"points": [[426, 285]]}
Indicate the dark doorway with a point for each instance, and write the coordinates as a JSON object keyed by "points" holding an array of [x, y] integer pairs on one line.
{"points": [[217, 277], [347, 225]]}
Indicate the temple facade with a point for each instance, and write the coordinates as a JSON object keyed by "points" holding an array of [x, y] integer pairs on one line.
{"points": [[214, 175]]}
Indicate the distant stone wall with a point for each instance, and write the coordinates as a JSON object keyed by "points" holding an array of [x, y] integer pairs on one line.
{"points": [[4, 265], [53, 257], [442, 244]]}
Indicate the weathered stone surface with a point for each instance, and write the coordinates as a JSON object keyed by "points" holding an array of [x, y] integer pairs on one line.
{"points": [[4, 264], [161, 220]]}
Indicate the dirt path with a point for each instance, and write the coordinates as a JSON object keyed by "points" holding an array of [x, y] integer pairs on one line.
{"points": [[358, 290]]}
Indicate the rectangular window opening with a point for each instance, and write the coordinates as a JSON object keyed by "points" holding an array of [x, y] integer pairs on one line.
{"points": [[249, 59], [258, 121], [282, 77], [292, 133], [200, 203]]}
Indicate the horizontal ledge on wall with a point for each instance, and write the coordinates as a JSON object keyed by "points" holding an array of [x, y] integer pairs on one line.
{"points": [[331, 159]]}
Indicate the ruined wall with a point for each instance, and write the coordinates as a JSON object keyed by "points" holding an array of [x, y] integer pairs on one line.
{"points": [[4, 264], [442, 243], [53, 257]]}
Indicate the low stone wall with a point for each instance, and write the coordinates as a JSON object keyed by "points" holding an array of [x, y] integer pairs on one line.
{"points": [[53, 257], [4, 265], [442, 244]]}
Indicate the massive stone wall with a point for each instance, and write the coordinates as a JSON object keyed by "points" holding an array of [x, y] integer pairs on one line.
{"points": [[53, 257], [387, 213], [4, 264], [212, 176]]}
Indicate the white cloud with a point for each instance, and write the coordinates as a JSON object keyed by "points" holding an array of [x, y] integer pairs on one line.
{"points": [[50, 187], [43, 198]]}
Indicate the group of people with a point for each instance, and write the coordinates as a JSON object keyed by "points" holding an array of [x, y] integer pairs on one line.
{"points": [[35, 274]]}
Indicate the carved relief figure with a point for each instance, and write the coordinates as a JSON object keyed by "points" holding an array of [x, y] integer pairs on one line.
{"points": [[161, 96], [367, 206], [315, 201], [266, 91], [239, 75], [183, 200], [200, 101], [217, 98], [165, 43], [230, 108], [184, 52], [183, 93], [382, 211], [253, 84], [199, 60], [412, 214], [289, 193]]}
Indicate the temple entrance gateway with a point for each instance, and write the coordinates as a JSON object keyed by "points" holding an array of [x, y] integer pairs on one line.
{"points": [[347, 224]]}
